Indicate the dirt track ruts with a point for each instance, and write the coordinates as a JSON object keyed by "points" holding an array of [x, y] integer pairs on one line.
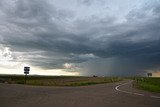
{"points": [[103, 95]]}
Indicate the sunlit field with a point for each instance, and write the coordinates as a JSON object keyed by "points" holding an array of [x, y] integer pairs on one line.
{"points": [[57, 80]]}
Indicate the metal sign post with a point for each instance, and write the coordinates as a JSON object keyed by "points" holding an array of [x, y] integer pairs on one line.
{"points": [[26, 71]]}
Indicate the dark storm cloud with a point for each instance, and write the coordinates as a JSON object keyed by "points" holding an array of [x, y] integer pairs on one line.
{"points": [[86, 2], [48, 37]]}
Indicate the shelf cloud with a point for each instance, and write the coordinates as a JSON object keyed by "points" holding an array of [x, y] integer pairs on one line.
{"points": [[91, 37]]}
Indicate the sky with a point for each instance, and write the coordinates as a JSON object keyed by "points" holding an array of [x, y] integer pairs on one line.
{"points": [[80, 37]]}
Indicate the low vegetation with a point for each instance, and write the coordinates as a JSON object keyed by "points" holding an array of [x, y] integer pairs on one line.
{"points": [[149, 84], [57, 80]]}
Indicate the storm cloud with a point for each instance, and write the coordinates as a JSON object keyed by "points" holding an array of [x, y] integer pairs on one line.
{"points": [[90, 37]]}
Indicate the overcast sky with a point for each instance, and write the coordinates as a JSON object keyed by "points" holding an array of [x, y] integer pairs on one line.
{"points": [[80, 37]]}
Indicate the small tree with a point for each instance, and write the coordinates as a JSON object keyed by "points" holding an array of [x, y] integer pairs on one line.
{"points": [[149, 74]]}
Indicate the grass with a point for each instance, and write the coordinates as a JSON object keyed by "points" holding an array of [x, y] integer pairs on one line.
{"points": [[58, 80], [149, 84]]}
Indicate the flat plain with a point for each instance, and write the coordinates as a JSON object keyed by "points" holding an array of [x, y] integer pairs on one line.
{"points": [[57, 80]]}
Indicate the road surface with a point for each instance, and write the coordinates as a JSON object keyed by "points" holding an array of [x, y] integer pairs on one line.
{"points": [[120, 94]]}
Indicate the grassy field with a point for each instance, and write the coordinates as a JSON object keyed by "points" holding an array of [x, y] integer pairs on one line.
{"points": [[149, 84], [57, 80]]}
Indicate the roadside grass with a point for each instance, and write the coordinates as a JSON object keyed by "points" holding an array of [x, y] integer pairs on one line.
{"points": [[58, 80], [148, 83]]}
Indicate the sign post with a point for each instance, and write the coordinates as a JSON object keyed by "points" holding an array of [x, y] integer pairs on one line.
{"points": [[26, 71]]}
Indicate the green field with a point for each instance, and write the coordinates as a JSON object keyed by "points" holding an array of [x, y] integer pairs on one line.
{"points": [[57, 80], [149, 84]]}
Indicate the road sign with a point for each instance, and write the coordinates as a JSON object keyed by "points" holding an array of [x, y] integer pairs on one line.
{"points": [[26, 70]]}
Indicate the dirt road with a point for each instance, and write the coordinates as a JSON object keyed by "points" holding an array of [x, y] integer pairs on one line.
{"points": [[119, 94]]}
